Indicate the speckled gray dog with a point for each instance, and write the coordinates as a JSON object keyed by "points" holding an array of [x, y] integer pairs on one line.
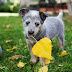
{"points": [[39, 25]]}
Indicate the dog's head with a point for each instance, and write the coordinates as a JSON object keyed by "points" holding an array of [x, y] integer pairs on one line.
{"points": [[32, 21]]}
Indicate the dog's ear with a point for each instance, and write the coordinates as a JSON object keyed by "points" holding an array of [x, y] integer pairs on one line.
{"points": [[43, 15], [23, 11]]}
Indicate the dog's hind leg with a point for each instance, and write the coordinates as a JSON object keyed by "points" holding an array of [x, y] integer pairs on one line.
{"points": [[61, 41]]}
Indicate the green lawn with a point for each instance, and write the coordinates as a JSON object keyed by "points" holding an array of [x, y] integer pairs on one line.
{"points": [[16, 35]]}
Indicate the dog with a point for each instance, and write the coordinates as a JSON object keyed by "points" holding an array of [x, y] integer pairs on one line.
{"points": [[40, 25]]}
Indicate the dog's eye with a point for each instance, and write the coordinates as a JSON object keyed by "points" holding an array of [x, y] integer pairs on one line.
{"points": [[27, 23], [37, 24]]}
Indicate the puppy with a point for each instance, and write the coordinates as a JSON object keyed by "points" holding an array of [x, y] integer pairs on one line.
{"points": [[39, 25]]}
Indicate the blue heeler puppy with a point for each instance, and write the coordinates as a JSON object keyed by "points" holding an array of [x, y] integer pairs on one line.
{"points": [[39, 25]]}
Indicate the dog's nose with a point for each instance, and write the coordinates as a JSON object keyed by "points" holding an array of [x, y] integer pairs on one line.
{"points": [[30, 32]]}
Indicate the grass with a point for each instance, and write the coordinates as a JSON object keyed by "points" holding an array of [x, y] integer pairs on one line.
{"points": [[15, 34]]}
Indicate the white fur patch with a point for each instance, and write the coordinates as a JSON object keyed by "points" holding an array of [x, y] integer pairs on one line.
{"points": [[34, 13]]}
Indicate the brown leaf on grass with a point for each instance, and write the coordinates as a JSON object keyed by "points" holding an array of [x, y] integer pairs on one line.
{"points": [[16, 57], [8, 26]]}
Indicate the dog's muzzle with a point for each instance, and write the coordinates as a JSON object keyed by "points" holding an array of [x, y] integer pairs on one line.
{"points": [[30, 33]]}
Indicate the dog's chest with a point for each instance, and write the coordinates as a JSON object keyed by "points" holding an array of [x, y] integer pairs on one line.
{"points": [[31, 41]]}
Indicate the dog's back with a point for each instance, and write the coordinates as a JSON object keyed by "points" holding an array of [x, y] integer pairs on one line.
{"points": [[54, 26]]}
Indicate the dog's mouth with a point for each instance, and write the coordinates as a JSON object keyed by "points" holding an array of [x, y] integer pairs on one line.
{"points": [[30, 36]]}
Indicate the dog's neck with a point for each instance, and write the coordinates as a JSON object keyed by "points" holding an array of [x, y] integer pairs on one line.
{"points": [[41, 34]]}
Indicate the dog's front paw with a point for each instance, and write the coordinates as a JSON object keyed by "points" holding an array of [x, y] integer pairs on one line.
{"points": [[33, 60], [42, 61]]}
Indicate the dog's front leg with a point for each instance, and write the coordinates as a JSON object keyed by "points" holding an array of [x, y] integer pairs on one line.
{"points": [[33, 57], [42, 61]]}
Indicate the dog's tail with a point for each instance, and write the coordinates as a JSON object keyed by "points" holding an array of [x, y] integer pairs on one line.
{"points": [[60, 15]]}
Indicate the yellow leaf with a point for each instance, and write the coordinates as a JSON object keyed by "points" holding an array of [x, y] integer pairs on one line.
{"points": [[60, 65], [21, 64], [2, 67], [43, 48], [7, 41], [11, 48], [43, 69], [63, 53], [47, 61]]}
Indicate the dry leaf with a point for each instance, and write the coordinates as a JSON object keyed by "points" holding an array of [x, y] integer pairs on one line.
{"points": [[8, 26], [11, 48], [21, 64], [43, 69], [7, 41], [63, 53], [15, 57], [60, 65], [2, 67]]}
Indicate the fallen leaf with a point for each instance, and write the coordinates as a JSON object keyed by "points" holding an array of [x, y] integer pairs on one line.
{"points": [[11, 48], [7, 41], [47, 61], [60, 65], [15, 57], [8, 26], [43, 48], [21, 64], [43, 69], [2, 67], [63, 53]]}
